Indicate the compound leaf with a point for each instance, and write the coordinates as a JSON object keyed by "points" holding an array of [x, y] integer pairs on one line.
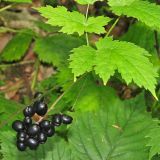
{"points": [[72, 22]]}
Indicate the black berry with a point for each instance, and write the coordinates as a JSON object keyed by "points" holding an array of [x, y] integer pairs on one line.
{"points": [[42, 137], [40, 108], [56, 119], [33, 130], [66, 119], [50, 132], [45, 124], [28, 111], [18, 125], [39, 96], [21, 136], [27, 121], [21, 146], [32, 143]]}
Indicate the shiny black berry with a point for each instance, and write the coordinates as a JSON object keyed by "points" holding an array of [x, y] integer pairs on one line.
{"points": [[50, 132], [32, 143], [28, 111], [45, 125], [66, 119], [21, 136], [18, 125], [40, 108], [42, 137], [39, 96], [33, 130], [21, 146], [27, 121], [56, 119]]}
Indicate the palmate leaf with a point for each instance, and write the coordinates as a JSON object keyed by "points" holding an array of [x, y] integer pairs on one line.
{"points": [[17, 46], [154, 141], [83, 2], [54, 49], [121, 2], [130, 60], [116, 131], [139, 9], [72, 22]]}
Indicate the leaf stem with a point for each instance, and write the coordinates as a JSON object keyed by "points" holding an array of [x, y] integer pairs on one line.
{"points": [[37, 64], [4, 8], [87, 10], [112, 27]]}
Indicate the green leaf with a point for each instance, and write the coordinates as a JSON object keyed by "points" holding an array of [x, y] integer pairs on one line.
{"points": [[82, 60], [17, 46], [121, 2], [116, 132], [54, 49], [130, 60], [146, 12], [72, 22], [154, 142]]}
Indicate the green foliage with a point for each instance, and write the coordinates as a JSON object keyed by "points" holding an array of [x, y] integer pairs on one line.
{"points": [[17, 46], [86, 1], [146, 12], [154, 139], [119, 130], [72, 22], [130, 60], [54, 49]]}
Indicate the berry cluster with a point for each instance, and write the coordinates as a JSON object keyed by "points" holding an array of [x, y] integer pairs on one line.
{"points": [[30, 133]]}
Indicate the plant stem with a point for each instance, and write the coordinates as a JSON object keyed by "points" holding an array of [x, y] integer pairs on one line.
{"points": [[87, 10], [16, 64], [37, 64], [112, 27], [4, 8]]}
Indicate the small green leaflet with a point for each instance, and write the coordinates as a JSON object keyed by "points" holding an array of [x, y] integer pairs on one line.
{"points": [[139, 10], [84, 64], [154, 142], [72, 22], [17, 46], [130, 60]]}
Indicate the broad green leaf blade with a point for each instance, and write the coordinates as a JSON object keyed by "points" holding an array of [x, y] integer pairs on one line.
{"points": [[82, 60], [130, 60], [146, 12], [121, 2], [154, 142], [54, 49], [72, 22], [17, 46]]}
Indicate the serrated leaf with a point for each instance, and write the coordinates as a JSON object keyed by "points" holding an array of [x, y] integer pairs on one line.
{"points": [[17, 46], [72, 22], [54, 49], [139, 10], [116, 132], [82, 60], [120, 2], [154, 142], [130, 60]]}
